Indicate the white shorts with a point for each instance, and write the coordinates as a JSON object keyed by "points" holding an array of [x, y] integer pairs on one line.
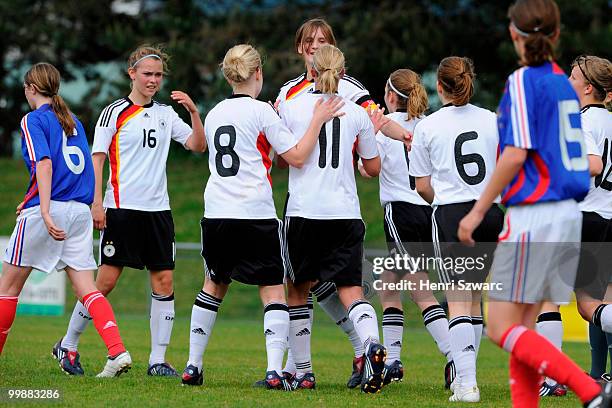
{"points": [[31, 244], [537, 255]]}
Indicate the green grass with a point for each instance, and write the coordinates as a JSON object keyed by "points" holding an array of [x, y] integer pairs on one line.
{"points": [[187, 176], [234, 360]]}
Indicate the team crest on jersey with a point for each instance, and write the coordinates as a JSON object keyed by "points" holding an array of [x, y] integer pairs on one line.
{"points": [[109, 250], [162, 123]]}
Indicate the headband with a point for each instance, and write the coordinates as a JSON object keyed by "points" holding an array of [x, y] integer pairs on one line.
{"points": [[395, 89], [146, 56], [527, 34]]}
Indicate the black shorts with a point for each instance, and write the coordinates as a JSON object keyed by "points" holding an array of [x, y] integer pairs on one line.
{"points": [[460, 262], [408, 229], [138, 239], [248, 251], [595, 256], [325, 250]]}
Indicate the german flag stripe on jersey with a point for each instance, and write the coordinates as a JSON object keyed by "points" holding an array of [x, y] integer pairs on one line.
{"points": [[295, 90], [113, 151]]}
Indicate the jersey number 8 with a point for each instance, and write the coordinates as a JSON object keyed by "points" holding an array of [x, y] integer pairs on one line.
{"points": [[227, 150]]}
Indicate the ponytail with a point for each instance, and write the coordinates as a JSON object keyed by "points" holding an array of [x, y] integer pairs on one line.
{"points": [[410, 91], [64, 116], [328, 61]]}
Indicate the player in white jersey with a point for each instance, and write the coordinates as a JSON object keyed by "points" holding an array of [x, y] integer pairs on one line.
{"points": [[134, 217], [323, 227], [452, 158], [591, 78], [311, 35], [407, 225], [241, 235]]}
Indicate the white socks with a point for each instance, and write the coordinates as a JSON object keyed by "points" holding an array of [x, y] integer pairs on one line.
{"points": [[276, 331], [300, 329], [79, 320], [363, 316], [436, 323], [161, 322], [393, 329], [462, 341], [203, 316]]}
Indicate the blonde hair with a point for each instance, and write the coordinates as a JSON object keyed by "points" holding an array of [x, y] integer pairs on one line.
{"points": [[145, 51], [456, 75], [45, 78], [240, 62], [597, 72], [414, 97], [328, 61]]}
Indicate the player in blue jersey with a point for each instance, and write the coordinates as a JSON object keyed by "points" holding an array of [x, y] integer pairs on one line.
{"points": [[542, 171], [54, 225]]}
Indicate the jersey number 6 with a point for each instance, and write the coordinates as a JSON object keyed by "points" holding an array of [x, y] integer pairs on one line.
{"points": [[462, 159], [68, 151]]}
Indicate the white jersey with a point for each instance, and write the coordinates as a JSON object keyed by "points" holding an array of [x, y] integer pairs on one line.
{"points": [[348, 88], [597, 129], [395, 182], [324, 188], [136, 140], [239, 132], [457, 147]]}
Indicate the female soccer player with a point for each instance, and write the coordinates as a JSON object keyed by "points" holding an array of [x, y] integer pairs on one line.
{"points": [[542, 171], [452, 159], [407, 223], [54, 226], [591, 78], [311, 36], [241, 236], [134, 217], [323, 227]]}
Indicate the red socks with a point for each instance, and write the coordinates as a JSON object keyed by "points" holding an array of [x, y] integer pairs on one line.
{"points": [[104, 321], [8, 308], [536, 355]]}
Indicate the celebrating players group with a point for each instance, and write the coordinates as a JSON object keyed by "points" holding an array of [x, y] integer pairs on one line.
{"points": [[442, 177]]}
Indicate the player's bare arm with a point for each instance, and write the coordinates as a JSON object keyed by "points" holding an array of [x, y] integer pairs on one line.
{"points": [[197, 141], [44, 172], [97, 209]]}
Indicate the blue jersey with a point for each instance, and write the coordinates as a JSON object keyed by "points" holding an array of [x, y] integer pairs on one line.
{"points": [[540, 112], [43, 137]]}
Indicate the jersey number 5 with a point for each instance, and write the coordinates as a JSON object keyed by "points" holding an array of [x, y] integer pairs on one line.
{"points": [[227, 150], [570, 134], [68, 151], [335, 145]]}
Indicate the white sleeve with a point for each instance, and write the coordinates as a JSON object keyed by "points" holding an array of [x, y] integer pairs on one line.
{"points": [[366, 139], [381, 142], [420, 162], [180, 131], [589, 139], [104, 132], [275, 130]]}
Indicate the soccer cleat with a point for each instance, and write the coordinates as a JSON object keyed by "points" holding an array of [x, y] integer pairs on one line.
{"points": [[192, 376], [603, 400], [115, 366], [449, 374], [286, 375], [355, 379], [162, 370], [68, 360], [393, 372], [557, 390], [306, 382], [605, 378], [467, 394], [372, 380], [274, 381]]}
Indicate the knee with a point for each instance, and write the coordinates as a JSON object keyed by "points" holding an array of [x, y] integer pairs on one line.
{"points": [[496, 331], [105, 284], [161, 283]]}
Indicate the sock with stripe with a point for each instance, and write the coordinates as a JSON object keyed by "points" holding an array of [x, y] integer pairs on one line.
{"points": [[299, 339], [104, 321], [524, 384], [393, 329], [549, 361], [276, 331], [310, 305], [602, 317], [79, 320], [8, 309], [203, 316], [436, 323], [290, 363], [461, 336], [599, 350], [161, 320], [549, 325], [328, 299], [363, 316], [477, 325]]}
